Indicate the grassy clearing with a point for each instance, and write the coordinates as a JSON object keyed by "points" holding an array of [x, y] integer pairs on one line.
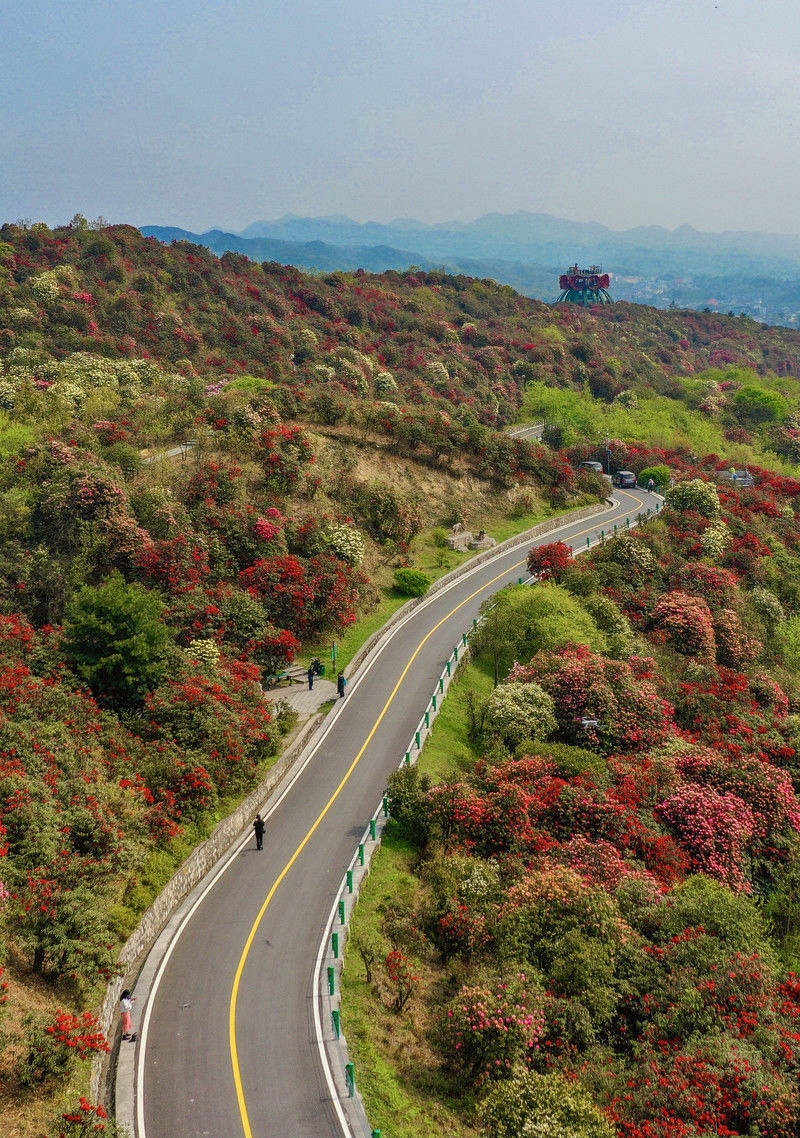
{"points": [[657, 421]]}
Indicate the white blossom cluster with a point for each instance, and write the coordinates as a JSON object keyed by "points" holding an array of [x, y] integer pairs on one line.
{"points": [[347, 543]]}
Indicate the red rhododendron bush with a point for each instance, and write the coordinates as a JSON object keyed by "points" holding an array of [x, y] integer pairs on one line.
{"points": [[639, 865]]}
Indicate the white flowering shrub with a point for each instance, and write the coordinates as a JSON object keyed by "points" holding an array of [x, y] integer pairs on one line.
{"points": [[307, 339], [45, 288], [715, 540], [323, 373], [205, 654], [630, 550], [385, 383], [347, 543], [437, 373], [766, 604], [520, 711], [8, 394], [21, 317], [694, 495]]}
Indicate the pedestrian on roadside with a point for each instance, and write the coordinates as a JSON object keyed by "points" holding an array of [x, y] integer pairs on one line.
{"points": [[126, 1005], [310, 674], [258, 829], [341, 684], [651, 485]]}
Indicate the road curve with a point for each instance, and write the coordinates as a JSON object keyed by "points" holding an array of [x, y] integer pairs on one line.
{"points": [[185, 1085]]}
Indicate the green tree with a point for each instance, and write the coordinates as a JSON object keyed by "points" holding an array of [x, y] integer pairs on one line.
{"points": [[540, 1106], [116, 641], [525, 620], [757, 405]]}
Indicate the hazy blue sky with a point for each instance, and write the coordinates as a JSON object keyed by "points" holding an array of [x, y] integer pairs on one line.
{"points": [[207, 113]]}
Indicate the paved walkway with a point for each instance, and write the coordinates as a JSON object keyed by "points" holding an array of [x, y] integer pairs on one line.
{"points": [[304, 702]]}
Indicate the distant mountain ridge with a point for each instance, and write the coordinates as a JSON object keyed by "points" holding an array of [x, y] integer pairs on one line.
{"points": [[751, 272]]}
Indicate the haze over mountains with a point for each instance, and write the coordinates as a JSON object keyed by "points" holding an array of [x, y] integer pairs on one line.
{"points": [[750, 272]]}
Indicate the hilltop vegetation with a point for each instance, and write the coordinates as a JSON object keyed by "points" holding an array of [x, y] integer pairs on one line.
{"points": [[144, 598]]}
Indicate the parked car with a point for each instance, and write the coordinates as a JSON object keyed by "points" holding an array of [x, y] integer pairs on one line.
{"points": [[624, 478], [597, 467]]}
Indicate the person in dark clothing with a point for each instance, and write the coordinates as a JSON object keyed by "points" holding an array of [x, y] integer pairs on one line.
{"points": [[316, 664], [258, 828], [341, 684], [310, 674]]}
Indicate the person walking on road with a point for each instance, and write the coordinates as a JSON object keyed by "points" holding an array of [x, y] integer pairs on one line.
{"points": [[310, 674], [341, 684], [126, 1004], [258, 829]]}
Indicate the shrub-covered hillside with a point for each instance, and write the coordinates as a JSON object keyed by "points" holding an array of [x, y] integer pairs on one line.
{"points": [[601, 934], [209, 468], [170, 535]]}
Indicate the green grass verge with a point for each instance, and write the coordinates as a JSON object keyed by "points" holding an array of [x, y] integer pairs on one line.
{"points": [[394, 1070], [389, 1054]]}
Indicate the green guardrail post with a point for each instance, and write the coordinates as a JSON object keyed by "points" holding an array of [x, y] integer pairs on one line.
{"points": [[341, 913], [373, 828], [349, 876], [350, 1078], [588, 543], [602, 535], [464, 639], [441, 683], [385, 806], [418, 739], [448, 668], [335, 945], [615, 527], [658, 506], [455, 653], [360, 853], [427, 719], [336, 1018], [627, 523], [520, 580], [331, 980]]}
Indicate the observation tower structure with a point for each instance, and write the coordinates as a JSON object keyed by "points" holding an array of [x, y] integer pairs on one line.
{"points": [[584, 286]]}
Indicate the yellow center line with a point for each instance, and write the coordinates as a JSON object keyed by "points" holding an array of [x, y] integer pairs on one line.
{"points": [[237, 1077]]}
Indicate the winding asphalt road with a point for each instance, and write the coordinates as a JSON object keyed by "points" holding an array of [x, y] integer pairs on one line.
{"points": [[185, 1061]]}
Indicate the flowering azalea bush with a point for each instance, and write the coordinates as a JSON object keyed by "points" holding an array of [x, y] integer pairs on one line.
{"points": [[486, 1030], [609, 703], [548, 561]]}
